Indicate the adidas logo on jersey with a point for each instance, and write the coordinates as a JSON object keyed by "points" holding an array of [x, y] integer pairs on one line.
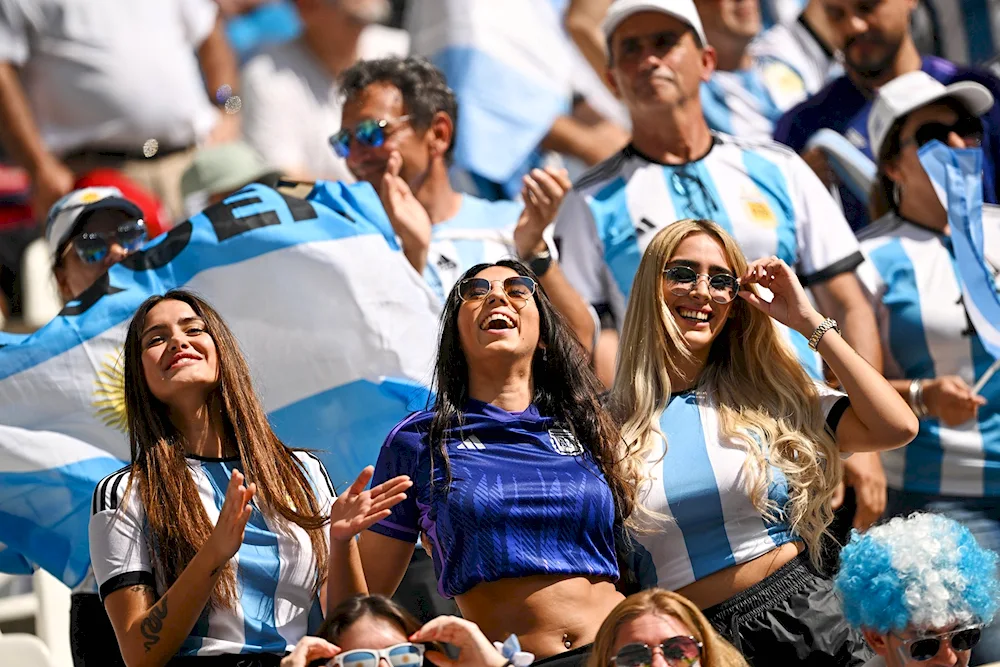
{"points": [[564, 442], [446, 264], [472, 442]]}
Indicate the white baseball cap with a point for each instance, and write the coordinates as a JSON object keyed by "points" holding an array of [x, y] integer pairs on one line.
{"points": [[65, 214], [682, 10], [914, 90]]}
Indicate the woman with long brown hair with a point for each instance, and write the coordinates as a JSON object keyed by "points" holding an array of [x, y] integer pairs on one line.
{"points": [[660, 622], [739, 449], [518, 486], [212, 541]]}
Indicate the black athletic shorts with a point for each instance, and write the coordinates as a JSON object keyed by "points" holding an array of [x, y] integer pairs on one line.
{"points": [[792, 617]]}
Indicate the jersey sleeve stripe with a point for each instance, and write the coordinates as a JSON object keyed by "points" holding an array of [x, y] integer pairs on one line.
{"points": [[845, 265], [835, 413], [114, 500], [126, 579], [100, 502], [322, 469]]}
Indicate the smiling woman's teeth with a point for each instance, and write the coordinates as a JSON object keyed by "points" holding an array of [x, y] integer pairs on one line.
{"points": [[694, 315], [504, 322]]}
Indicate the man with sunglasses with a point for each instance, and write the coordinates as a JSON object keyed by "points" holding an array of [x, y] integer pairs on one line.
{"points": [[877, 46], [921, 590], [89, 231], [398, 133]]}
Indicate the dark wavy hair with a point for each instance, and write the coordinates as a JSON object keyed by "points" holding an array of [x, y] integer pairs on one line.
{"points": [[351, 610], [566, 390], [423, 86]]}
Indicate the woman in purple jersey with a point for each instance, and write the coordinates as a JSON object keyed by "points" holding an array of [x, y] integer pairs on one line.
{"points": [[517, 485]]}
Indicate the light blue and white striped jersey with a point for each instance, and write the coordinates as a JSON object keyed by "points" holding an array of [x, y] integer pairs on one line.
{"points": [[481, 231], [913, 283], [747, 103], [696, 479], [760, 192], [275, 567], [796, 45]]}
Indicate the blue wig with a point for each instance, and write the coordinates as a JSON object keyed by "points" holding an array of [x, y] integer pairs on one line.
{"points": [[924, 571]]}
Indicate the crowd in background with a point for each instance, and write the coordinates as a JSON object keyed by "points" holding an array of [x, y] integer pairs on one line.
{"points": [[702, 316]]}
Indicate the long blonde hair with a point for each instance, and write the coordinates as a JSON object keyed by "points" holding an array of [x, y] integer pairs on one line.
{"points": [[766, 402], [715, 651]]}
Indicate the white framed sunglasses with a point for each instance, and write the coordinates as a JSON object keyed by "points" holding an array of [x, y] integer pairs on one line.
{"points": [[400, 655]]}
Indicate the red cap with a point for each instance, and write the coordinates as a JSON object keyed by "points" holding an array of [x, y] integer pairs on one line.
{"points": [[154, 214]]}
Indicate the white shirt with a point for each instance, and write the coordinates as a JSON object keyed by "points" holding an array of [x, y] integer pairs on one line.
{"points": [[111, 73], [291, 104], [275, 566], [795, 45]]}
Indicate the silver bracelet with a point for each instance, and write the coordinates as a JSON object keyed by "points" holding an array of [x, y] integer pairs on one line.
{"points": [[916, 399]]}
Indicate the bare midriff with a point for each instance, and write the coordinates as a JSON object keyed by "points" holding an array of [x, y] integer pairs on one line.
{"points": [[724, 584], [550, 614]]}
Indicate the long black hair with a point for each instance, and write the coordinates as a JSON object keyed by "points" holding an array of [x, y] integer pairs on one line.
{"points": [[565, 389]]}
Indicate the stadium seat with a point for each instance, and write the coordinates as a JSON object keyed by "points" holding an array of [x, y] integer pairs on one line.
{"points": [[19, 650]]}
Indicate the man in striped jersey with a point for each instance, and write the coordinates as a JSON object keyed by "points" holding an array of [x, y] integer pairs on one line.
{"points": [[399, 121], [675, 168], [808, 44], [747, 93]]}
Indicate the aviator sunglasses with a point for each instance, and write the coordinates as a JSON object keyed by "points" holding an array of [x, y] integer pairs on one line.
{"points": [[969, 129], [399, 655], [677, 651], [516, 287], [93, 247], [723, 287], [921, 649], [370, 132]]}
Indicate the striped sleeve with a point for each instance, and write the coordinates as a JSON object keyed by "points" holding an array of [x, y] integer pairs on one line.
{"points": [[320, 478], [119, 548], [833, 403]]}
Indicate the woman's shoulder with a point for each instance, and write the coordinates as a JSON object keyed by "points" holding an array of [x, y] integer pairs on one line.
{"points": [[411, 432], [109, 493]]}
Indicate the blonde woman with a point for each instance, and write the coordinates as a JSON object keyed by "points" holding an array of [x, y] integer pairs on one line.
{"points": [[738, 447]]}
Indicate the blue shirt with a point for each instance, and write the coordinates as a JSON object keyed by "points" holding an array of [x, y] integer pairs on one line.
{"points": [[912, 280], [525, 498], [843, 107], [747, 103]]}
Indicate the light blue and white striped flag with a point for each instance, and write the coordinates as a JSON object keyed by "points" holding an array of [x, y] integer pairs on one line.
{"points": [[510, 65], [957, 178], [339, 331]]}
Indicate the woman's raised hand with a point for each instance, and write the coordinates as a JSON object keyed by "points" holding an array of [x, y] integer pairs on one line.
{"points": [[790, 305], [227, 536], [474, 649], [356, 510], [308, 650]]}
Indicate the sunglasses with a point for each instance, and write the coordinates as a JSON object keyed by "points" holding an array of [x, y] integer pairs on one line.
{"points": [[921, 649], [399, 655], [722, 287], [369, 133], [93, 247], [969, 129], [677, 651], [516, 287]]}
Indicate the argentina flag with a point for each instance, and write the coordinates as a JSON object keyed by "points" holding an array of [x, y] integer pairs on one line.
{"points": [[957, 179], [510, 65], [338, 329]]}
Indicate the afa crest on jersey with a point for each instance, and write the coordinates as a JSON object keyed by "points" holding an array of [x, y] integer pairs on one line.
{"points": [[564, 442]]}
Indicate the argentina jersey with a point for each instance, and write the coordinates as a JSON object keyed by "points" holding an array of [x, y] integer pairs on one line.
{"points": [[747, 103], [481, 231], [912, 280], [275, 567], [796, 45], [697, 482], [760, 192]]}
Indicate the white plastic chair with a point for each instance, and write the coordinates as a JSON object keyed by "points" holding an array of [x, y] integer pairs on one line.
{"points": [[40, 295], [20, 650], [48, 604]]}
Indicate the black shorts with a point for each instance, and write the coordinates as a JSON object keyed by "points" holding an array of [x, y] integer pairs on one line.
{"points": [[91, 638], [792, 617]]}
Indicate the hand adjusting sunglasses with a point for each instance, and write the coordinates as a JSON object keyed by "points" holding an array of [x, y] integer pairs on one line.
{"points": [[677, 651], [921, 649], [93, 247], [968, 128], [723, 287], [519, 288], [399, 655], [369, 132]]}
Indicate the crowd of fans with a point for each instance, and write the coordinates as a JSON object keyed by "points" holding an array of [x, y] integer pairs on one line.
{"points": [[681, 356]]}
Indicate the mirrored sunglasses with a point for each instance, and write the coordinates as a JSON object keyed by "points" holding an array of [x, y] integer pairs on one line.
{"points": [[516, 287], [400, 655], [677, 651], [93, 247], [922, 649], [369, 132], [723, 287]]}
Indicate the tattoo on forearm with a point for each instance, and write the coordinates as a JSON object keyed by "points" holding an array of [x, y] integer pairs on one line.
{"points": [[152, 625]]}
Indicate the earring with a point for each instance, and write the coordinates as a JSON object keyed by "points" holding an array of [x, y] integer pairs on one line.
{"points": [[545, 354], [896, 190]]}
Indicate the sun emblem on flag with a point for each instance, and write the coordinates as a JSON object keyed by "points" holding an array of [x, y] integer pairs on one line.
{"points": [[109, 392]]}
